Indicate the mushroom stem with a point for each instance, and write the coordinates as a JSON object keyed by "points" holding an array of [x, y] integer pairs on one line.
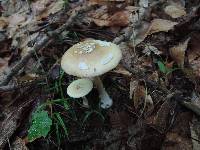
{"points": [[105, 100], [85, 102]]}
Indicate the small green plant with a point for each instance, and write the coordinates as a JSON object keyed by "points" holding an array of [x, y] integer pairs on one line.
{"points": [[41, 125], [42, 122], [164, 69]]}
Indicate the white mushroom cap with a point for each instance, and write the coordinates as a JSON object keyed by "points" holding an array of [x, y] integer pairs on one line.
{"points": [[91, 58], [79, 88]]}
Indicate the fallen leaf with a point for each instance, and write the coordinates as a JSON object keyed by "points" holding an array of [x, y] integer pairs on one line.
{"points": [[175, 11], [3, 63], [120, 18], [39, 6], [178, 52], [3, 23], [16, 19], [178, 133], [101, 22], [154, 77], [149, 103], [19, 144], [121, 70], [160, 25], [53, 8], [15, 22], [101, 17], [141, 33], [195, 132], [149, 49], [137, 93], [193, 53]]}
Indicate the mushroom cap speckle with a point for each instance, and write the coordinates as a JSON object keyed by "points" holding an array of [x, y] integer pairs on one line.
{"points": [[79, 88], [91, 58]]}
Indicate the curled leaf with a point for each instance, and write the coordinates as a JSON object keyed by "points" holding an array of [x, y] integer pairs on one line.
{"points": [[178, 52]]}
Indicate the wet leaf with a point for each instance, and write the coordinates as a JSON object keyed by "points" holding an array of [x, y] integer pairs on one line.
{"points": [[41, 124]]}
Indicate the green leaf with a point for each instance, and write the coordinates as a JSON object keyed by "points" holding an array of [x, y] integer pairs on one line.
{"points": [[41, 124], [162, 67]]}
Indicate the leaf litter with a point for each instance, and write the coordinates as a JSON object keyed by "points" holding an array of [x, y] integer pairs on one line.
{"points": [[151, 104]]}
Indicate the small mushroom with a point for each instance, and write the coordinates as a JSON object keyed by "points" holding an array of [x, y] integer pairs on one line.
{"points": [[80, 88], [92, 58]]}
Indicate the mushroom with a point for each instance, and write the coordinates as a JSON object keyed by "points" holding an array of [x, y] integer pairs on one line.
{"points": [[80, 88], [92, 58]]}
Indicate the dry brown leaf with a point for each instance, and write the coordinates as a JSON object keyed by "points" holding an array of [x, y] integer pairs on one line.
{"points": [[154, 77], [158, 25], [101, 17], [141, 33], [121, 70], [175, 11], [3, 63], [149, 103], [194, 53], [137, 93], [139, 96], [19, 144], [16, 19], [52, 8], [178, 133], [120, 18], [101, 22], [195, 132], [178, 52], [151, 49], [3, 22], [39, 6], [43, 8]]}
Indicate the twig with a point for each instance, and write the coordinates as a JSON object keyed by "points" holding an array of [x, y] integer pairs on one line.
{"points": [[41, 42]]}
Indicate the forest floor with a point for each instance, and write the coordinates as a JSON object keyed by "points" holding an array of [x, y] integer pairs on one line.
{"points": [[155, 88]]}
